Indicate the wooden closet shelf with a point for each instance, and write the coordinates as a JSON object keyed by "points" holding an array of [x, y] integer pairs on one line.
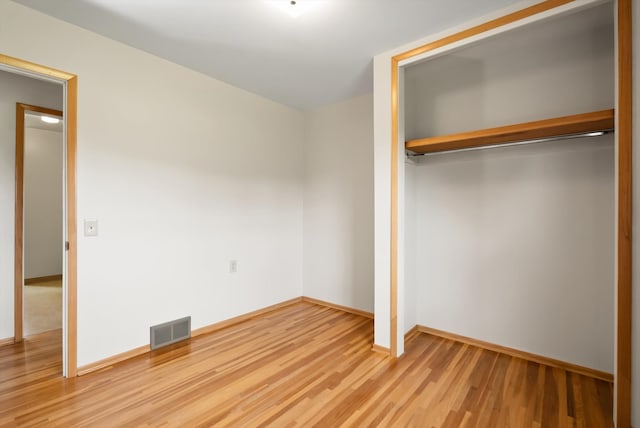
{"points": [[547, 128]]}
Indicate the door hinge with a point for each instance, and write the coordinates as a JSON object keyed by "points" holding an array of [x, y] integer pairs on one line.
{"points": [[66, 245]]}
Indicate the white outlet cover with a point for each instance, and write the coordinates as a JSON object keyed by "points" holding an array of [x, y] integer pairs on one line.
{"points": [[90, 227]]}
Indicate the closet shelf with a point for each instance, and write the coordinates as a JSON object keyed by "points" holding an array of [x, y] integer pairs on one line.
{"points": [[558, 126]]}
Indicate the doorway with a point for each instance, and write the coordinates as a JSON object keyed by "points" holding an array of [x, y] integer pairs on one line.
{"points": [[69, 84], [39, 245]]}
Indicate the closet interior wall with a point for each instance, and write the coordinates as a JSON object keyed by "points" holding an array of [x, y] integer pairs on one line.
{"points": [[515, 245]]}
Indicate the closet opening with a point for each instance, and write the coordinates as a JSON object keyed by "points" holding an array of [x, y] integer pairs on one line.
{"points": [[516, 249]]}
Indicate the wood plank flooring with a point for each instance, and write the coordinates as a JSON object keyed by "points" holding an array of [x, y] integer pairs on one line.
{"points": [[303, 365]]}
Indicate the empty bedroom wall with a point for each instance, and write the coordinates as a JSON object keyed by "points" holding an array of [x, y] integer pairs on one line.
{"points": [[183, 173], [338, 203]]}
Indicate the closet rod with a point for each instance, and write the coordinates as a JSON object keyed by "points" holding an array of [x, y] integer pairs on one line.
{"points": [[411, 154]]}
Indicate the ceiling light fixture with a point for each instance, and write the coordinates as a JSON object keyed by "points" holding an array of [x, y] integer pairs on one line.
{"points": [[295, 8], [49, 119]]}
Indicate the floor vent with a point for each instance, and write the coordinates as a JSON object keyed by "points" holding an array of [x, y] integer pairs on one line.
{"points": [[170, 332]]}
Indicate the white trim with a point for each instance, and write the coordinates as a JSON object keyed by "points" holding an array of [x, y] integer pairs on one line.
{"points": [[31, 74], [65, 239]]}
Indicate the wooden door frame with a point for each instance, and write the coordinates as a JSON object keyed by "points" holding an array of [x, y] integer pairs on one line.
{"points": [[18, 255], [624, 123], [70, 85]]}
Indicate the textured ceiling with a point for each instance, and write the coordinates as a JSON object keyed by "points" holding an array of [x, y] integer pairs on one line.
{"points": [[323, 56]]}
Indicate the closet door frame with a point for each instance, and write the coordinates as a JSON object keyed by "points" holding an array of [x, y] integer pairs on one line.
{"points": [[623, 168]]}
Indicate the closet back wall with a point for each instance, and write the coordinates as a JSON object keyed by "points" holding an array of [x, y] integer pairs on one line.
{"points": [[559, 67], [515, 246]]}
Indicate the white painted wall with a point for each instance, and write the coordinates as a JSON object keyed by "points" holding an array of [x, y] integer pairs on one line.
{"points": [[42, 203], [338, 204], [635, 331], [183, 174], [14, 88], [381, 204], [516, 247]]}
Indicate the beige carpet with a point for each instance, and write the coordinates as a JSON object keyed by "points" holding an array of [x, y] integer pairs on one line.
{"points": [[42, 307]]}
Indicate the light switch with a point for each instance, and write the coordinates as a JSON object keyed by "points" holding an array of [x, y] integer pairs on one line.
{"points": [[90, 227]]}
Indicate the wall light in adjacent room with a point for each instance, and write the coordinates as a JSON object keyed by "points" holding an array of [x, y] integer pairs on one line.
{"points": [[49, 119], [295, 8]]}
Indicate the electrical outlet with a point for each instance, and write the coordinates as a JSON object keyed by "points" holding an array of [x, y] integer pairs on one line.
{"points": [[233, 266], [90, 227]]}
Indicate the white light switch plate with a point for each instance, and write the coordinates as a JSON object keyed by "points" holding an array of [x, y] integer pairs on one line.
{"points": [[90, 227]]}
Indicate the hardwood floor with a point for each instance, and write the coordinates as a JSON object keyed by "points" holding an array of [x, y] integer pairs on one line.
{"points": [[303, 365]]}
